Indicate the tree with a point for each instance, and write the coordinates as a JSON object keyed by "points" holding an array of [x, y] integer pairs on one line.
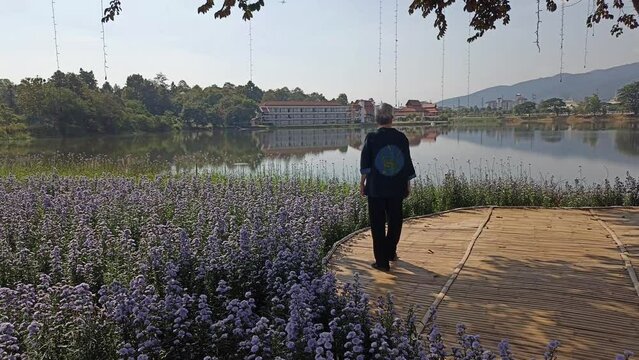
{"points": [[106, 87], [342, 99], [64, 112], [236, 110], [183, 86], [485, 14], [30, 98], [8, 117], [153, 94], [555, 105], [297, 94], [88, 79], [74, 82], [7, 93], [629, 97], [594, 106], [72, 104], [252, 92], [160, 80], [527, 108]]}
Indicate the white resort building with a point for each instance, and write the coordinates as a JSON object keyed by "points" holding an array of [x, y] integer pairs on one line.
{"points": [[303, 113]]}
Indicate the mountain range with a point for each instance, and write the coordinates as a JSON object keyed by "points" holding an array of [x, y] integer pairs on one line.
{"points": [[604, 82]]}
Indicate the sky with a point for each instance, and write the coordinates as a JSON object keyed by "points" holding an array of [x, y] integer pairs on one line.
{"points": [[328, 46]]}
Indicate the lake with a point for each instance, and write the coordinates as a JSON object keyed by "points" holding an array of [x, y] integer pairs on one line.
{"points": [[542, 152]]}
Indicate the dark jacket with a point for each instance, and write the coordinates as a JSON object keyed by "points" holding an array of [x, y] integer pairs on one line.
{"points": [[386, 162]]}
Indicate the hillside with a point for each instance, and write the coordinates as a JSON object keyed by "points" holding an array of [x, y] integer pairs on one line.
{"points": [[604, 82]]}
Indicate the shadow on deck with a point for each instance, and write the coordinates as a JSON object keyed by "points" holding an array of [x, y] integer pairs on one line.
{"points": [[533, 275]]}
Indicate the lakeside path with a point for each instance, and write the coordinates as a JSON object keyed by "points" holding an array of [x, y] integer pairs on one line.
{"points": [[526, 274]]}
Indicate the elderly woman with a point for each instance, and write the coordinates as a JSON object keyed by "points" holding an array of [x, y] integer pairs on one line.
{"points": [[386, 169]]}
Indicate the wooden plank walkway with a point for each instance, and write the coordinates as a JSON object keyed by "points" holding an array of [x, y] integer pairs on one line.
{"points": [[532, 275]]}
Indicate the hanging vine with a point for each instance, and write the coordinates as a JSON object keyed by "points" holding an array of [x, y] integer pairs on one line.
{"points": [[104, 52], [586, 38], [55, 35], [468, 72], [250, 51], [396, 47], [379, 54], [443, 67], [538, 23], [561, 61]]}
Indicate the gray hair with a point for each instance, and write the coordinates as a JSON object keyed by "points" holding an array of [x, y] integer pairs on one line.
{"points": [[385, 114]]}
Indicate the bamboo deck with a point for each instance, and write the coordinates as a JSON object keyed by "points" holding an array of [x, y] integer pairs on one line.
{"points": [[528, 275]]}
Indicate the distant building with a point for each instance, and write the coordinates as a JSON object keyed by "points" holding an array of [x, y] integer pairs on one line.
{"points": [[416, 108], [492, 104], [571, 104], [508, 105], [430, 109], [519, 99], [364, 111], [304, 113], [501, 104], [614, 101]]}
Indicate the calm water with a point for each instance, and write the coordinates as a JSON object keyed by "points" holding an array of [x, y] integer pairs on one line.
{"points": [[562, 153]]}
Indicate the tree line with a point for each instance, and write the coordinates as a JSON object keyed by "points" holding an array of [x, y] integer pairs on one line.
{"points": [[71, 104], [627, 101], [627, 96]]}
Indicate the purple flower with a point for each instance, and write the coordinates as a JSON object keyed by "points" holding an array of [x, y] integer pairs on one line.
{"points": [[504, 350], [198, 266], [551, 350]]}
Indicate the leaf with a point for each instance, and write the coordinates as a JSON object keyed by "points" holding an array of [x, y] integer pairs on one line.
{"points": [[203, 9]]}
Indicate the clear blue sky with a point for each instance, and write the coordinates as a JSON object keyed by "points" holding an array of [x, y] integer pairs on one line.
{"points": [[329, 46]]}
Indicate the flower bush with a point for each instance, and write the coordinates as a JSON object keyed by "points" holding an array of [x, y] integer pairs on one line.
{"points": [[207, 267]]}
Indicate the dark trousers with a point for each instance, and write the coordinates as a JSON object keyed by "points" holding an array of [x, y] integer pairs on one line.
{"points": [[381, 210]]}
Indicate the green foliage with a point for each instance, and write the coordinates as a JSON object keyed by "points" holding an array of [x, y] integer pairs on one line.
{"points": [[525, 108], [555, 105], [69, 104], [153, 94], [11, 124], [593, 105], [7, 93], [237, 111], [252, 92], [629, 97], [284, 94], [342, 99]]}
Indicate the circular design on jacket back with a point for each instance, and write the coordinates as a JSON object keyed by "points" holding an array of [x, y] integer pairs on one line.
{"points": [[389, 160]]}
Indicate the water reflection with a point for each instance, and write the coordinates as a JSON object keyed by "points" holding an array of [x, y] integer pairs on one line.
{"points": [[303, 141], [551, 136], [554, 149], [590, 138], [628, 142], [299, 142]]}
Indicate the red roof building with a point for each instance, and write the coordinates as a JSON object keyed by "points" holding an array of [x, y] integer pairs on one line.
{"points": [[364, 111], [416, 108]]}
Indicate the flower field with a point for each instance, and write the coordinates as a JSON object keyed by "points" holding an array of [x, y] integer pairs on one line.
{"points": [[218, 267]]}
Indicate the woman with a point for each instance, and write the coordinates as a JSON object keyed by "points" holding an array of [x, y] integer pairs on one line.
{"points": [[386, 169]]}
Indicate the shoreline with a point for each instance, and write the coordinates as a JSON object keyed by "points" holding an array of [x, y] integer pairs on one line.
{"points": [[613, 121]]}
